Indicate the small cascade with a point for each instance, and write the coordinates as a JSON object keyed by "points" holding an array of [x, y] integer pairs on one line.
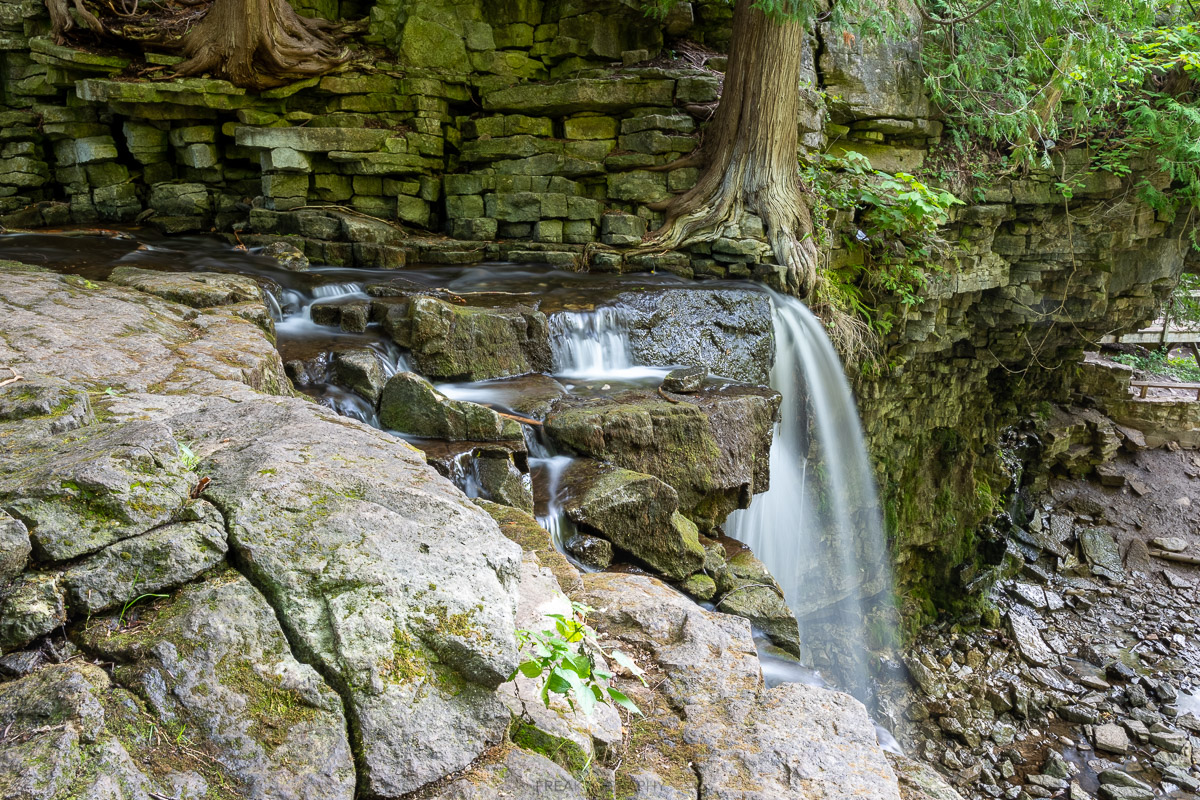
{"points": [[819, 529], [296, 307], [590, 344], [391, 357], [550, 469]]}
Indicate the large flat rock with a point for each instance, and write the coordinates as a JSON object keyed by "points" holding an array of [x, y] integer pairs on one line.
{"points": [[397, 594]]}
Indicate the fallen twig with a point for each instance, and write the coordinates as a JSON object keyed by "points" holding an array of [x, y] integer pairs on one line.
{"points": [[16, 377], [1181, 558], [524, 420], [668, 397]]}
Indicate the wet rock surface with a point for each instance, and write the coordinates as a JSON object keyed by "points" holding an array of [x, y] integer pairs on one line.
{"points": [[712, 447], [372, 605]]}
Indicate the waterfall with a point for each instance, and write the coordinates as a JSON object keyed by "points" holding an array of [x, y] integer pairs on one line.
{"points": [[587, 344], [818, 529]]}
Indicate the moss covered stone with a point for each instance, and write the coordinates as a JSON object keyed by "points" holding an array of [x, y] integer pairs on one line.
{"points": [[637, 513], [469, 342], [410, 404]]}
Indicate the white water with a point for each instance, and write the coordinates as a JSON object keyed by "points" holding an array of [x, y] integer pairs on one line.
{"points": [[818, 529], [594, 345], [296, 307]]}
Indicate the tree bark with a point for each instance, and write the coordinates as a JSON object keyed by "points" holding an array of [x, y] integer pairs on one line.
{"points": [[258, 44], [750, 150]]}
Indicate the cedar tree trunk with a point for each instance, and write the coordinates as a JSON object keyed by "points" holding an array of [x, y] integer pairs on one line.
{"points": [[257, 44], [750, 150]]}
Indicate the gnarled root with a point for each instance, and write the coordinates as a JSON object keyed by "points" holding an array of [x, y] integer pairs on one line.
{"points": [[703, 212], [62, 21], [258, 44]]}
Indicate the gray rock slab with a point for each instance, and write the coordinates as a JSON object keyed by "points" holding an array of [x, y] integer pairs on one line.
{"points": [[399, 589], [1102, 553], [213, 661], [1029, 641], [516, 775], [195, 289], [164, 558]]}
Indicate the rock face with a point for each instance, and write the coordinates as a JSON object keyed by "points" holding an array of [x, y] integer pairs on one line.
{"points": [[372, 607], [792, 741], [713, 447], [729, 332], [468, 342]]}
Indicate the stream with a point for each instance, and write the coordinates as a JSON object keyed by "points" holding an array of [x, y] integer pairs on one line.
{"points": [[817, 529]]}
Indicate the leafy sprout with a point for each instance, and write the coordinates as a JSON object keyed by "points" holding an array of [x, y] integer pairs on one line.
{"points": [[564, 659]]}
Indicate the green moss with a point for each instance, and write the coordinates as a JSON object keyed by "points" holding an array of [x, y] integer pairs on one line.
{"points": [[409, 663], [564, 752]]}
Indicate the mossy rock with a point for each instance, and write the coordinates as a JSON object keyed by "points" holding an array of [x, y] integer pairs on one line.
{"points": [[410, 404], [468, 342], [637, 513]]}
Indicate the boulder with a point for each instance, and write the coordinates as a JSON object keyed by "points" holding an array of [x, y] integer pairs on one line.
{"points": [[394, 587], [80, 755], [500, 480], [195, 289], [746, 588], [213, 664], [160, 559], [638, 513], [361, 372], [386, 578], [792, 742], [727, 331], [591, 551], [712, 447], [468, 342], [410, 404]]}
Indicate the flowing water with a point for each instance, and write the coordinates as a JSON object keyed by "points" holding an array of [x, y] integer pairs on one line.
{"points": [[819, 529]]}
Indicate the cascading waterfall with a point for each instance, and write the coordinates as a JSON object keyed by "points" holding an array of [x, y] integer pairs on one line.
{"points": [[590, 344], [818, 529]]}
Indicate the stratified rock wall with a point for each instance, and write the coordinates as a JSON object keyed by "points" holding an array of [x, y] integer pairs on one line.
{"points": [[536, 131]]}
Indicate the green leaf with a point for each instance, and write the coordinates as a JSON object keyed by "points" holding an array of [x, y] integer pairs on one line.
{"points": [[530, 669], [623, 701]]}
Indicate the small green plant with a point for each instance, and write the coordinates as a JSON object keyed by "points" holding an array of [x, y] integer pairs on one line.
{"points": [[190, 459], [563, 660], [895, 220]]}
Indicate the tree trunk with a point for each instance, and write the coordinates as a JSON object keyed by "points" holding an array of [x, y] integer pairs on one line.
{"points": [[750, 150], [257, 44]]}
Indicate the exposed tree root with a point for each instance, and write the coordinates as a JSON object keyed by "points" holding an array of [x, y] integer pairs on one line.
{"points": [[750, 152], [259, 44], [61, 19]]}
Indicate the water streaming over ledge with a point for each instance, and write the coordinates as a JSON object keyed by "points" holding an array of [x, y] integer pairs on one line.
{"points": [[819, 529]]}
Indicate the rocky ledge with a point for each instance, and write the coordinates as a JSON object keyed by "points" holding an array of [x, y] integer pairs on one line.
{"points": [[213, 587]]}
